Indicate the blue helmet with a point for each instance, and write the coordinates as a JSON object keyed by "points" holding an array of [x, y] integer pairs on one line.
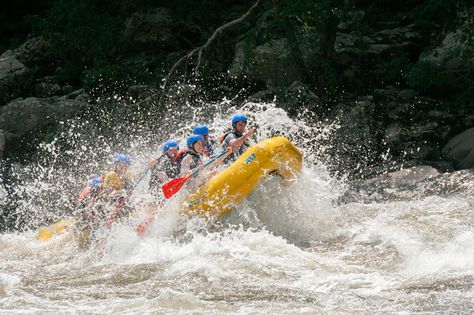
{"points": [[237, 118], [94, 181], [168, 145], [122, 158], [193, 139], [201, 130]]}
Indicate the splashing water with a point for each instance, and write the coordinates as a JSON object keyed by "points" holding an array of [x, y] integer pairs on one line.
{"points": [[286, 249]]}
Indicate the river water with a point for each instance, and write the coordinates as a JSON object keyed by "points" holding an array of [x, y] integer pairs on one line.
{"points": [[298, 249]]}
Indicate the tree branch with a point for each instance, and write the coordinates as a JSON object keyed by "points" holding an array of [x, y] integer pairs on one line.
{"points": [[199, 50]]}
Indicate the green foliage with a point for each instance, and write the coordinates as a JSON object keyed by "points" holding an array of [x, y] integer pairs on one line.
{"points": [[441, 12], [206, 13], [83, 33], [464, 48], [424, 77], [312, 14], [395, 70], [455, 85], [327, 78], [304, 24], [14, 26], [453, 82]]}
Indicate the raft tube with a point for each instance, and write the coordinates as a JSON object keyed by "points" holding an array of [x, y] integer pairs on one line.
{"points": [[225, 190]]}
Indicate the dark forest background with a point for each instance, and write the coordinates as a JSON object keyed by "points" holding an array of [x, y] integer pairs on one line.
{"points": [[397, 75]]}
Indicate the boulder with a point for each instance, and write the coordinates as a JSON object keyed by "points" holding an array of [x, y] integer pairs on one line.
{"points": [[407, 95], [271, 63], [47, 86], [388, 42], [355, 142], [6, 138], [460, 150], [294, 99], [34, 51], [15, 79], [393, 134], [157, 29], [3, 140], [21, 116], [409, 176], [442, 57]]}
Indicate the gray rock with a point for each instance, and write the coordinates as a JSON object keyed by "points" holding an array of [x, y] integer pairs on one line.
{"points": [[15, 78], [236, 69], [302, 96], [401, 112], [141, 91], [46, 89], [393, 134], [3, 140], [421, 131], [390, 91], [420, 151], [26, 115], [407, 95], [405, 177], [31, 52], [293, 99], [408, 184], [460, 150], [156, 28], [6, 138], [441, 57], [355, 143], [388, 42], [272, 63], [440, 115]]}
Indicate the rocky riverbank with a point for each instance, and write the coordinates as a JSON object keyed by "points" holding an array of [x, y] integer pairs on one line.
{"points": [[399, 88]]}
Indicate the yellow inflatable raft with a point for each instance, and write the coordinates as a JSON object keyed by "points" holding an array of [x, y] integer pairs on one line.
{"points": [[218, 196], [59, 227]]}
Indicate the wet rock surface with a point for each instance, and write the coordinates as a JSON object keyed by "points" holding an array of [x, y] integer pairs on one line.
{"points": [[15, 79], [460, 149], [409, 183]]}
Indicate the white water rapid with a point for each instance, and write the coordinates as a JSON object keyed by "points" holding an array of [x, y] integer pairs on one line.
{"points": [[298, 249]]}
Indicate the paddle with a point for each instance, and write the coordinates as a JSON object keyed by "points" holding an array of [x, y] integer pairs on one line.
{"points": [[116, 212], [46, 233], [175, 185]]}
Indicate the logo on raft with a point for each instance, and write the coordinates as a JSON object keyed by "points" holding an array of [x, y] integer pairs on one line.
{"points": [[250, 158]]}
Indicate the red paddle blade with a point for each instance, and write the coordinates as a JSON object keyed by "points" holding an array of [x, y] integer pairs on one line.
{"points": [[174, 185], [142, 227]]}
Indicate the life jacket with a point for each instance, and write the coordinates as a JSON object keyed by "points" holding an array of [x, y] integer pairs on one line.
{"points": [[224, 135], [117, 182], [179, 157], [195, 156], [234, 155], [171, 167]]}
